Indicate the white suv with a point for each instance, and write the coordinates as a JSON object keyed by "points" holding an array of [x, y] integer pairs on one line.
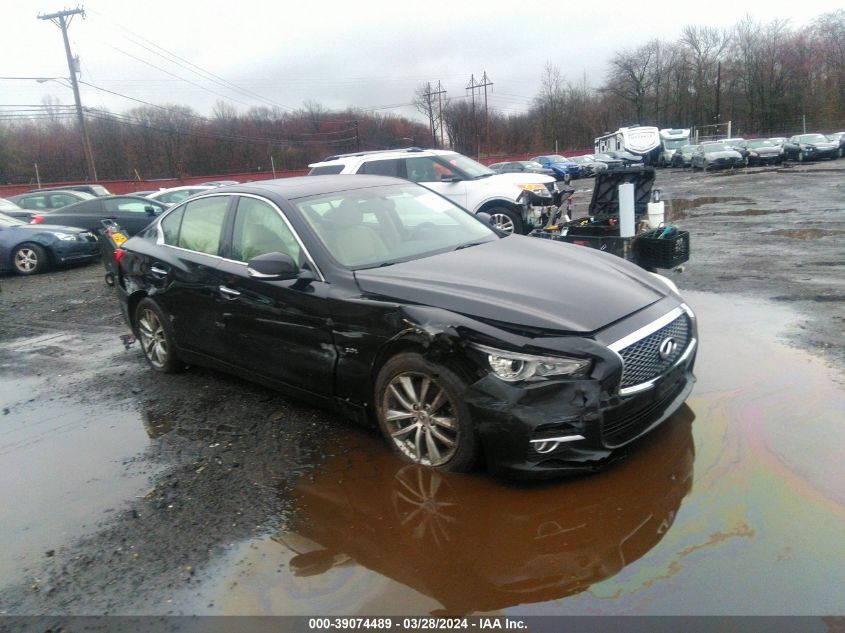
{"points": [[517, 202]]}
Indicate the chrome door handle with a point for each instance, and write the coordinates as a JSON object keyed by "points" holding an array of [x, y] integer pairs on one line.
{"points": [[228, 292], [158, 272]]}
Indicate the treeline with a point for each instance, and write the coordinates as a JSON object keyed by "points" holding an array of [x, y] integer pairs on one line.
{"points": [[766, 78], [174, 141]]}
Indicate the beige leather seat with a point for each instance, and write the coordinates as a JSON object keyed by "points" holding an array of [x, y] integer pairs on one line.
{"points": [[354, 242]]}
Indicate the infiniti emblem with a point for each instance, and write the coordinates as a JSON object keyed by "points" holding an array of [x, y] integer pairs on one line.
{"points": [[667, 348]]}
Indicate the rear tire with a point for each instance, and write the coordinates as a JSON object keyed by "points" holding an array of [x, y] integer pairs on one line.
{"points": [[155, 335], [29, 259], [423, 416]]}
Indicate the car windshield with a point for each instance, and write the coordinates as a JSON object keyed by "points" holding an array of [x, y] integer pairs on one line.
{"points": [[760, 143], [813, 138], [715, 147], [5, 220], [557, 158], [675, 144], [379, 226], [688, 149], [531, 164], [466, 165]]}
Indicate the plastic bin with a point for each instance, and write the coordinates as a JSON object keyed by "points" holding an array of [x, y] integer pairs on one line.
{"points": [[662, 248]]}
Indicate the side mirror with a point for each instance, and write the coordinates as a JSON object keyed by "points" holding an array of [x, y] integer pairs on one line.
{"points": [[151, 210], [273, 266], [485, 217], [448, 178]]}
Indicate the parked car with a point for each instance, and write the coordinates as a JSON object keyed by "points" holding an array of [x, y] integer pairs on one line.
{"points": [[48, 199], [94, 190], [563, 168], [517, 202], [760, 151], [391, 303], [778, 140], [521, 166], [611, 161], [715, 155], [683, 156], [132, 213], [838, 137], [14, 211], [736, 143], [27, 249], [589, 165], [803, 147], [177, 194]]}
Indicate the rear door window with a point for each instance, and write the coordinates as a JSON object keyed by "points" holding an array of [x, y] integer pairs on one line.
{"points": [[202, 224], [392, 167]]}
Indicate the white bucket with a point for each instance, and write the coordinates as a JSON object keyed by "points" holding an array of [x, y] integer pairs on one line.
{"points": [[655, 214]]}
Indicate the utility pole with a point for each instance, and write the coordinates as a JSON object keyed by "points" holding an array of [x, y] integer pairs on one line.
{"points": [[486, 82], [429, 93], [62, 19], [440, 92], [718, 94], [472, 86], [357, 137]]}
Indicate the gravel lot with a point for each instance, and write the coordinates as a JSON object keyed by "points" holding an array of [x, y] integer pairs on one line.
{"points": [[204, 459]]}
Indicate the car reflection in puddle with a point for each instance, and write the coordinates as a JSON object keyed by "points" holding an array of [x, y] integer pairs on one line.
{"points": [[468, 543]]}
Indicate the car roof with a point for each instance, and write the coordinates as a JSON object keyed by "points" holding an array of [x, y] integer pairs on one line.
{"points": [[304, 186], [383, 153]]}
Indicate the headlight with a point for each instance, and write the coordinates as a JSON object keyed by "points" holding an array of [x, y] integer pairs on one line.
{"points": [[515, 367], [67, 237], [535, 188]]}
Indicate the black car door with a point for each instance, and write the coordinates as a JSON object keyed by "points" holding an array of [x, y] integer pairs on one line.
{"points": [[180, 272], [279, 329]]}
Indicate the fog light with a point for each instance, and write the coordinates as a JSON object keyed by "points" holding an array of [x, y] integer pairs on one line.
{"points": [[545, 447]]}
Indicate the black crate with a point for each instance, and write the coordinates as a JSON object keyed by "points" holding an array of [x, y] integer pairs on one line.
{"points": [[599, 227], [653, 251], [614, 245]]}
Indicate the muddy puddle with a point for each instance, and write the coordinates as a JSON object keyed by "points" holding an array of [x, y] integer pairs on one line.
{"points": [[735, 506], [679, 208], [61, 456]]}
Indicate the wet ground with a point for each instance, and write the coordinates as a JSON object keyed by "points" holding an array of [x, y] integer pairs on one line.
{"points": [[125, 491]]}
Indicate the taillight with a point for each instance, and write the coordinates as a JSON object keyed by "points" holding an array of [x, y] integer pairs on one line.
{"points": [[37, 219]]}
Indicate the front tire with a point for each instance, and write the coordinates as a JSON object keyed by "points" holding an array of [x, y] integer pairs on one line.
{"points": [[29, 259], [422, 414], [505, 220], [156, 337]]}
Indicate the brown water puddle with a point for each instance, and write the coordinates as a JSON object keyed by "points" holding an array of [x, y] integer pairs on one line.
{"points": [[679, 207], [752, 525]]}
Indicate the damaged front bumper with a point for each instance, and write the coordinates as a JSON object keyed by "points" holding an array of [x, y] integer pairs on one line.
{"points": [[573, 426]]}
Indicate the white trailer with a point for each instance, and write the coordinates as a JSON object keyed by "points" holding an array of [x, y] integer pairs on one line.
{"points": [[671, 140], [642, 140]]}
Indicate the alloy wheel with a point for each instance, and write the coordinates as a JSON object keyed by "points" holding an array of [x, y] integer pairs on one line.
{"points": [[420, 419], [153, 338], [26, 260], [502, 222]]}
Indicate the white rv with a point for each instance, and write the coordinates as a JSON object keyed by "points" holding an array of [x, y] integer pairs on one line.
{"points": [[642, 140], [671, 140]]}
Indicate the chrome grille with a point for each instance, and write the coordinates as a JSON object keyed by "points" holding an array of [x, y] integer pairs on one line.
{"points": [[642, 360]]}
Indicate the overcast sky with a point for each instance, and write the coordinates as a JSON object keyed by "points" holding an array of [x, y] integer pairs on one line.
{"points": [[366, 53]]}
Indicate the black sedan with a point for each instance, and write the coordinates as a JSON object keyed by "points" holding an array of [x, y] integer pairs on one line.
{"points": [[804, 147], [390, 303], [132, 213], [28, 249], [761, 151]]}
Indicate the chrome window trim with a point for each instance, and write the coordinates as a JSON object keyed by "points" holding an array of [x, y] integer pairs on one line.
{"points": [[645, 331], [160, 233], [561, 439]]}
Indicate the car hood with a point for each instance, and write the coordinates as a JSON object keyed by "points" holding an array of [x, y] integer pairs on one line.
{"points": [[827, 145], [521, 281], [729, 153], [518, 178]]}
